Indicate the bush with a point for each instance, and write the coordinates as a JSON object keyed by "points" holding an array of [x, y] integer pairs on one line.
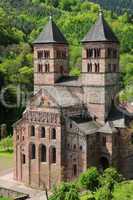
{"points": [[6, 144], [110, 177], [90, 179], [66, 191], [103, 194]]}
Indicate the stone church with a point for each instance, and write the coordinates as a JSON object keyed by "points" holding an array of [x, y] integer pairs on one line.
{"points": [[72, 123]]}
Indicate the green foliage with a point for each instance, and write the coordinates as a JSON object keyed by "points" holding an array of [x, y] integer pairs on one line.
{"points": [[103, 194], [123, 191], [6, 144], [66, 191], [110, 178], [118, 6], [21, 22], [90, 179]]}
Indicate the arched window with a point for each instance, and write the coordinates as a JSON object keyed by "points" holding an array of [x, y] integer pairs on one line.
{"points": [[43, 153], [104, 141], [46, 67], [23, 159], [53, 155], [33, 151], [81, 148], [74, 146], [97, 68], [74, 170], [115, 53], [131, 138], [53, 134], [32, 131], [61, 69], [95, 53], [46, 54], [40, 68], [89, 67], [114, 68], [43, 132], [98, 53], [109, 68], [40, 54], [109, 52]]}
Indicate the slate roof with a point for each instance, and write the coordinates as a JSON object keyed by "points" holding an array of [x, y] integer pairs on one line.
{"points": [[72, 81], [51, 34], [107, 128], [87, 125], [100, 32], [62, 96]]}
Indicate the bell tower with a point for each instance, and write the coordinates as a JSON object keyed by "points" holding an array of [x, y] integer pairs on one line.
{"points": [[50, 56], [100, 69]]}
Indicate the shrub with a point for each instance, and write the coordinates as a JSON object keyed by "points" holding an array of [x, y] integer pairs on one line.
{"points": [[66, 191], [110, 177], [103, 194], [90, 179], [6, 144]]}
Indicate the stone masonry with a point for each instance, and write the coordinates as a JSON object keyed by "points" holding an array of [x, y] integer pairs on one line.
{"points": [[71, 123]]}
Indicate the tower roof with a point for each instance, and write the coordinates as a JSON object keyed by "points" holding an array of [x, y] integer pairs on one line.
{"points": [[100, 32], [51, 34]]}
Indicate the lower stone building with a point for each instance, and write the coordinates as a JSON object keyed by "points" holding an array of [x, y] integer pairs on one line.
{"points": [[72, 123]]}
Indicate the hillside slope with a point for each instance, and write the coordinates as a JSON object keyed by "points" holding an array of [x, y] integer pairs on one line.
{"points": [[119, 6]]}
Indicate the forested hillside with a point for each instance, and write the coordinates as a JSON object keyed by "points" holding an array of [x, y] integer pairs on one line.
{"points": [[119, 6], [21, 22]]}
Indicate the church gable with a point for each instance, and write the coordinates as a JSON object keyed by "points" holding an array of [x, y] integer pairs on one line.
{"points": [[42, 99]]}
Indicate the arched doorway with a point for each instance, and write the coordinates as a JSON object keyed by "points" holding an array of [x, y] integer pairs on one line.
{"points": [[104, 163]]}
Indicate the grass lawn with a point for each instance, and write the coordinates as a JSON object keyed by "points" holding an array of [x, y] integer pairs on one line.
{"points": [[84, 197], [6, 161], [4, 198], [123, 191]]}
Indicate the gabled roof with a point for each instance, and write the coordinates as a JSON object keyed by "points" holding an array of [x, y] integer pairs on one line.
{"points": [[51, 34], [62, 96], [85, 125], [100, 32], [107, 128]]}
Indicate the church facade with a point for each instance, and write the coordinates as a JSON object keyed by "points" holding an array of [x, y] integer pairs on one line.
{"points": [[71, 123]]}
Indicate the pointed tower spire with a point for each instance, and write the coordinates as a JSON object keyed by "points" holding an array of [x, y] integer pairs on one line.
{"points": [[51, 34], [100, 32]]}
